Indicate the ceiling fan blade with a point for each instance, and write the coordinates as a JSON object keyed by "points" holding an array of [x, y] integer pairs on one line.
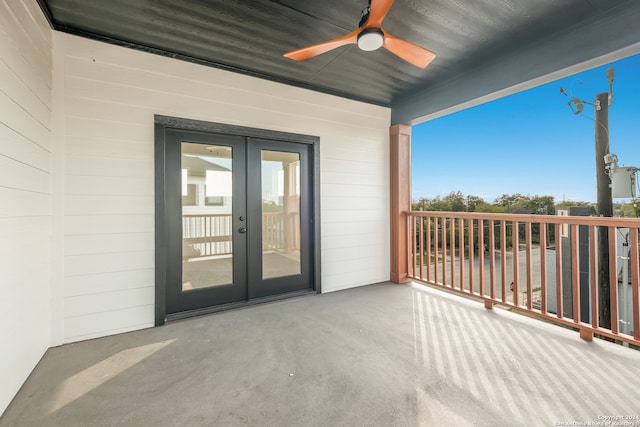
{"points": [[320, 48], [416, 55], [377, 12]]}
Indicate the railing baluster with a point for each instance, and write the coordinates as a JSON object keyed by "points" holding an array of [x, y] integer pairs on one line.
{"points": [[543, 268], [470, 244], [575, 272], [444, 251], [515, 231], [436, 222], [421, 274], [481, 255], [461, 250], [529, 264], [415, 241], [593, 272], [203, 231], [635, 281], [452, 250], [503, 258], [428, 247], [492, 259], [413, 247], [559, 301], [613, 281]]}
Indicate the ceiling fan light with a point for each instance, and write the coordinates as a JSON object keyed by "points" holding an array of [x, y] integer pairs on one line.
{"points": [[370, 39]]}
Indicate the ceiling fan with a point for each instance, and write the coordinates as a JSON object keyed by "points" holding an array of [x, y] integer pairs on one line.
{"points": [[370, 36]]}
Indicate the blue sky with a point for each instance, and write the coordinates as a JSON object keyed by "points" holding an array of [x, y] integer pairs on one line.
{"points": [[529, 143]]}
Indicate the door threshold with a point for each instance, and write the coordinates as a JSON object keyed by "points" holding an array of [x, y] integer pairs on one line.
{"points": [[236, 305]]}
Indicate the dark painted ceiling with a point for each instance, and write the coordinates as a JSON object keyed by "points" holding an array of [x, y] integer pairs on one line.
{"points": [[250, 36]]}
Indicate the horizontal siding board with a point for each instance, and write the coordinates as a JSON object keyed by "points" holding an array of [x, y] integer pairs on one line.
{"points": [[117, 148], [127, 110], [108, 224], [34, 68], [24, 249], [39, 22], [354, 203], [90, 336], [354, 255], [82, 305], [351, 279], [16, 89], [108, 243], [337, 241], [17, 203], [109, 185], [22, 122], [376, 273], [35, 46], [19, 148], [21, 227], [108, 322], [108, 282], [86, 128], [366, 215], [116, 111], [21, 176], [357, 143], [352, 229], [35, 282], [352, 166], [109, 205], [344, 278], [347, 190], [162, 86], [105, 166], [77, 265], [371, 154], [373, 177]]}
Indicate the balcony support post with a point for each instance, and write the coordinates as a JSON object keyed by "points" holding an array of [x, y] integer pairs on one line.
{"points": [[400, 171], [586, 335]]}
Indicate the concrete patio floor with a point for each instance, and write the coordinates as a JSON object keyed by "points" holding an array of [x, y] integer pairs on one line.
{"points": [[384, 355]]}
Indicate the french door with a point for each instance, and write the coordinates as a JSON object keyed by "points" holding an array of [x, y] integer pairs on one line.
{"points": [[238, 220]]}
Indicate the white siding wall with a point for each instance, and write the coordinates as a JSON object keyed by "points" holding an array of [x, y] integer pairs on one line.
{"points": [[25, 192], [111, 96]]}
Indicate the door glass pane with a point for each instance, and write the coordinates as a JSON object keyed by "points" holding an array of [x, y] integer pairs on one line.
{"points": [[207, 248], [280, 214]]}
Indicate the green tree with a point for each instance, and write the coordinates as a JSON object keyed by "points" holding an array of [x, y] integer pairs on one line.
{"points": [[542, 205], [473, 202], [490, 208], [514, 203], [456, 201]]}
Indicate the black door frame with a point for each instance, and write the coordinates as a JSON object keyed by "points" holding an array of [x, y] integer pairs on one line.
{"points": [[162, 251]]}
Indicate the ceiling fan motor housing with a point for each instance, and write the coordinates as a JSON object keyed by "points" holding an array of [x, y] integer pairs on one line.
{"points": [[370, 39]]}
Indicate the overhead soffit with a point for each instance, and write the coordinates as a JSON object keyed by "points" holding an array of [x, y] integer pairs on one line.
{"points": [[250, 36]]}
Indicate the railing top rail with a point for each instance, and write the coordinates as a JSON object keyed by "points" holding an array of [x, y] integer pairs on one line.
{"points": [[205, 215], [544, 219]]}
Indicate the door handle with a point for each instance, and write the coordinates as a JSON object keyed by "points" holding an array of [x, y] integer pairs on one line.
{"points": [[242, 230]]}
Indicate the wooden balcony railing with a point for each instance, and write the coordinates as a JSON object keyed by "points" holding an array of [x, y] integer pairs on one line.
{"points": [[551, 267], [206, 235]]}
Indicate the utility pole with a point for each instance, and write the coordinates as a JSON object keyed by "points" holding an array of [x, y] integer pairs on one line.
{"points": [[604, 206]]}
